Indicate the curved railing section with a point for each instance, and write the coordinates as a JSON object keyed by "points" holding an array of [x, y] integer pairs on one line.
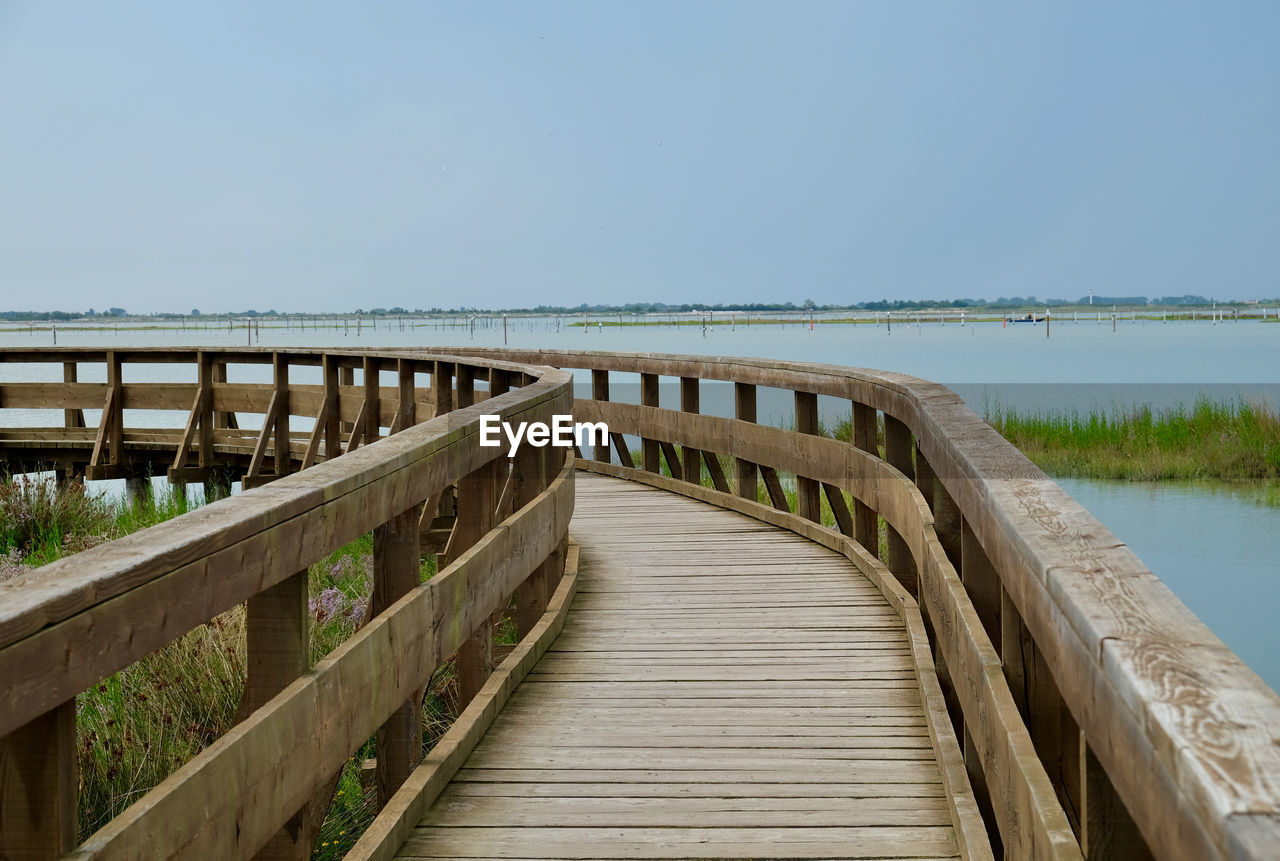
{"points": [[400, 460], [1098, 716]]}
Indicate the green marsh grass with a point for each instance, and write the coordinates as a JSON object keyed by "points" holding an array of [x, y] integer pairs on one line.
{"points": [[1238, 441]]}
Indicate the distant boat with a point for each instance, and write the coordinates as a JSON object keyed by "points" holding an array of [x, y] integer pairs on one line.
{"points": [[1025, 318]]}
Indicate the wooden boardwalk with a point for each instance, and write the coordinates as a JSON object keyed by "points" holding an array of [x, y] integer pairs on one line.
{"points": [[722, 688]]}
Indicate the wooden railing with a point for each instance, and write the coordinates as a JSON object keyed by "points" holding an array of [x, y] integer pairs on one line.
{"points": [[263, 787], [1098, 716]]}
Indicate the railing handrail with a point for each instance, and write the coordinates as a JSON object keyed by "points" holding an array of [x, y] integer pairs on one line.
{"points": [[1184, 729]]}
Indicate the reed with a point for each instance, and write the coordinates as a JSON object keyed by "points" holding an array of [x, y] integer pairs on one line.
{"points": [[1209, 439]]}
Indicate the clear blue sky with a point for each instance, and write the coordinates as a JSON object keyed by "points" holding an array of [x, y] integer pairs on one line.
{"points": [[326, 156]]}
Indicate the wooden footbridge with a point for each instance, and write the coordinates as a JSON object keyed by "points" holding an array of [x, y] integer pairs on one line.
{"points": [[963, 664]]}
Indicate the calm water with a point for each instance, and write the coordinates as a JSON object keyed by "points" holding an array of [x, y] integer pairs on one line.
{"points": [[1211, 544]]}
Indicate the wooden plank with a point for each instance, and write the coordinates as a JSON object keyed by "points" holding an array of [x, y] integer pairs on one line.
{"points": [[890, 842], [811, 723]]}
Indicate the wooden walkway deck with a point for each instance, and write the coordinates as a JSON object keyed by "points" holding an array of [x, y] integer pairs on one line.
{"points": [[722, 688]]}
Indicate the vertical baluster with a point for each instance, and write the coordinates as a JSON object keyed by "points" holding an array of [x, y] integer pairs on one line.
{"points": [[744, 408], [808, 503]]}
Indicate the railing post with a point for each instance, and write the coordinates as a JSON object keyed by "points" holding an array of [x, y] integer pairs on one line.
{"points": [[72, 418], [1106, 828], [477, 497], [346, 379], [531, 595], [407, 413], [115, 383], [332, 397], [442, 387], [372, 417], [396, 564], [744, 408], [897, 451], [466, 386], [277, 652], [649, 398], [600, 392], [866, 526], [204, 373], [690, 458], [223, 418], [282, 449], [946, 521], [38, 787], [808, 503]]}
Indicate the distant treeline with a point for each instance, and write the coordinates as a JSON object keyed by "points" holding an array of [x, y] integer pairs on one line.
{"points": [[635, 308]]}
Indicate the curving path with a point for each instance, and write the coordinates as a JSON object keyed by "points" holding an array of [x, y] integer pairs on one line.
{"points": [[722, 688]]}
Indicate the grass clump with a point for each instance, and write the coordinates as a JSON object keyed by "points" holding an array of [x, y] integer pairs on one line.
{"points": [[1207, 440]]}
